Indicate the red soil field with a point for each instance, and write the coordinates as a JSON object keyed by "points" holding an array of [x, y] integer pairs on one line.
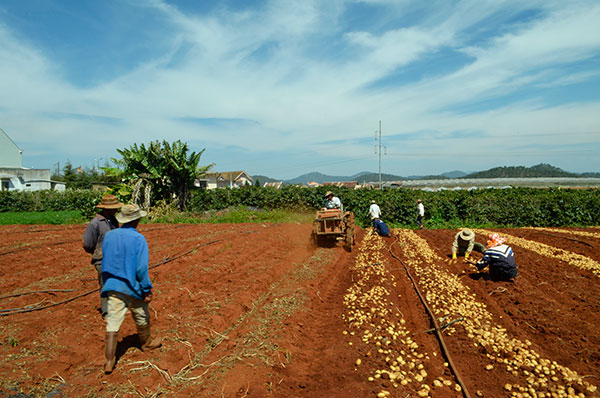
{"points": [[253, 310]]}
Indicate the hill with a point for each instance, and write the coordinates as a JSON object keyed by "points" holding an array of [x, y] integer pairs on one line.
{"points": [[262, 179], [454, 174], [372, 177], [539, 170], [320, 178]]}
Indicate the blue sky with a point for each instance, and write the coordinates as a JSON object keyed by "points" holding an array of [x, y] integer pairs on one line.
{"points": [[282, 88]]}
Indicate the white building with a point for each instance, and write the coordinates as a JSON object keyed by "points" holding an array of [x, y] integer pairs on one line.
{"points": [[226, 179], [14, 177]]}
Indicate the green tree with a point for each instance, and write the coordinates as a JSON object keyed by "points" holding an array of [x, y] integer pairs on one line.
{"points": [[161, 171]]}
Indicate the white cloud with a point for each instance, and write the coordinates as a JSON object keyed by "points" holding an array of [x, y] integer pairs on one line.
{"points": [[300, 98]]}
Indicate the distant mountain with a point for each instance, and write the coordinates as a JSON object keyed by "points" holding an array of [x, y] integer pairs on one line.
{"points": [[539, 170], [590, 175], [374, 177], [454, 174], [262, 179], [433, 177], [314, 176]]}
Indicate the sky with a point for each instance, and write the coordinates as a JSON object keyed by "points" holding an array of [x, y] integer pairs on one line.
{"points": [[283, 88]]}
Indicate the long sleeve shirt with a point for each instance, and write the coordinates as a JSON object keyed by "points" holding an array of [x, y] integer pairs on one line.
{"points": [[94, 235], [500, 259], [420, 209], [374, 211], [460, 242], [381, 227], [125, 263], [334, 203]]}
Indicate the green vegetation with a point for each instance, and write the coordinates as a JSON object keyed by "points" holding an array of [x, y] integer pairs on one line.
{"points": [[516, 207], [82, 177], [82, 200], [46, 217], [486, 207], [160, 172]]}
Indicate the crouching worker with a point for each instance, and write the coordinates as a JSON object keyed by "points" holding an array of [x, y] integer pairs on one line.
{"points": [[464, 243], [381, 228], [500, 258], [126, 282]]}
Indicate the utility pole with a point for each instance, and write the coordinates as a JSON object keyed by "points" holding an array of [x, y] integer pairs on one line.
{"points": [[378, 137], [380, 183]]}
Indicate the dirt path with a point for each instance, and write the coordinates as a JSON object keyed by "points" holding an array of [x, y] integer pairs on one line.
{"points": [[254, 311]]}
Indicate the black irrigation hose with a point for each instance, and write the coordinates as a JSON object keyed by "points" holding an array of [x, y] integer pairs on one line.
{"points": [[164, 261], [30, 231], [25, 309], [69, 241], [436, 326], [36, 246], [37, 291]]}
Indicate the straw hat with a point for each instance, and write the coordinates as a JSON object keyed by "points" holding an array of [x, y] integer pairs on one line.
{"points": [[130, 213], [327, 194], [466, 234], [109, 202]]}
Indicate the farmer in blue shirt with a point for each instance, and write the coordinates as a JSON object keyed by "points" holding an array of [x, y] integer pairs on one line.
{"points": [[126, 282]]}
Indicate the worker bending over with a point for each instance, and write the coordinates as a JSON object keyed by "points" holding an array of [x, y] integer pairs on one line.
{"points": [[500, 258], [464, 243]]}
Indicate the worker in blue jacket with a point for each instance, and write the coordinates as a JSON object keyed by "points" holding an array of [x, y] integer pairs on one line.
{"points": [[126, 282]]}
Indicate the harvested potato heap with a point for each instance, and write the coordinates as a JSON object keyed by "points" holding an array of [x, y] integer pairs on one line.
{"points": [[447, 295], [568, 257], [570, 232], [376, 326]]}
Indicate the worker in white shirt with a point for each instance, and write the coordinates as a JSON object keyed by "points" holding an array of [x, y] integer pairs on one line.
{"points": [[420, 213], [332, 202], [374, 211]]}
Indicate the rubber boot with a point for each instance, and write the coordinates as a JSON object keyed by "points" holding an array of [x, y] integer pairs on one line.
{"points": [[110, 351], [146, 341]]}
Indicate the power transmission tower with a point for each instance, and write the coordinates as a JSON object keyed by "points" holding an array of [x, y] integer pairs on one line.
{"points": [[378, 137]]}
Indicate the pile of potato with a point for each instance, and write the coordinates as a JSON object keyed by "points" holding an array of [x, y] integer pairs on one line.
{"points": [[568, 257], [377, 329], [570, 232], [450, 299]]}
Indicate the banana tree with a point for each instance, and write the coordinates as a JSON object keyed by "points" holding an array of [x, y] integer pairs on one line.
{"points": [[161, 171]]}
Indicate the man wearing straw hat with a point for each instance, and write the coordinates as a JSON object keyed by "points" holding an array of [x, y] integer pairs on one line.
{"points": [[94, 236], [126, 282], [331, 201], [464, 243]]}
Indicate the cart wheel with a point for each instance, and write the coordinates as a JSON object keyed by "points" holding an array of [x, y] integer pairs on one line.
{"points": [[349, 239]]}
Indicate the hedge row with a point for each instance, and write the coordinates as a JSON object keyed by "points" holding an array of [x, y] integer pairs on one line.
{"points": [[83, 200], [517, 207]]}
